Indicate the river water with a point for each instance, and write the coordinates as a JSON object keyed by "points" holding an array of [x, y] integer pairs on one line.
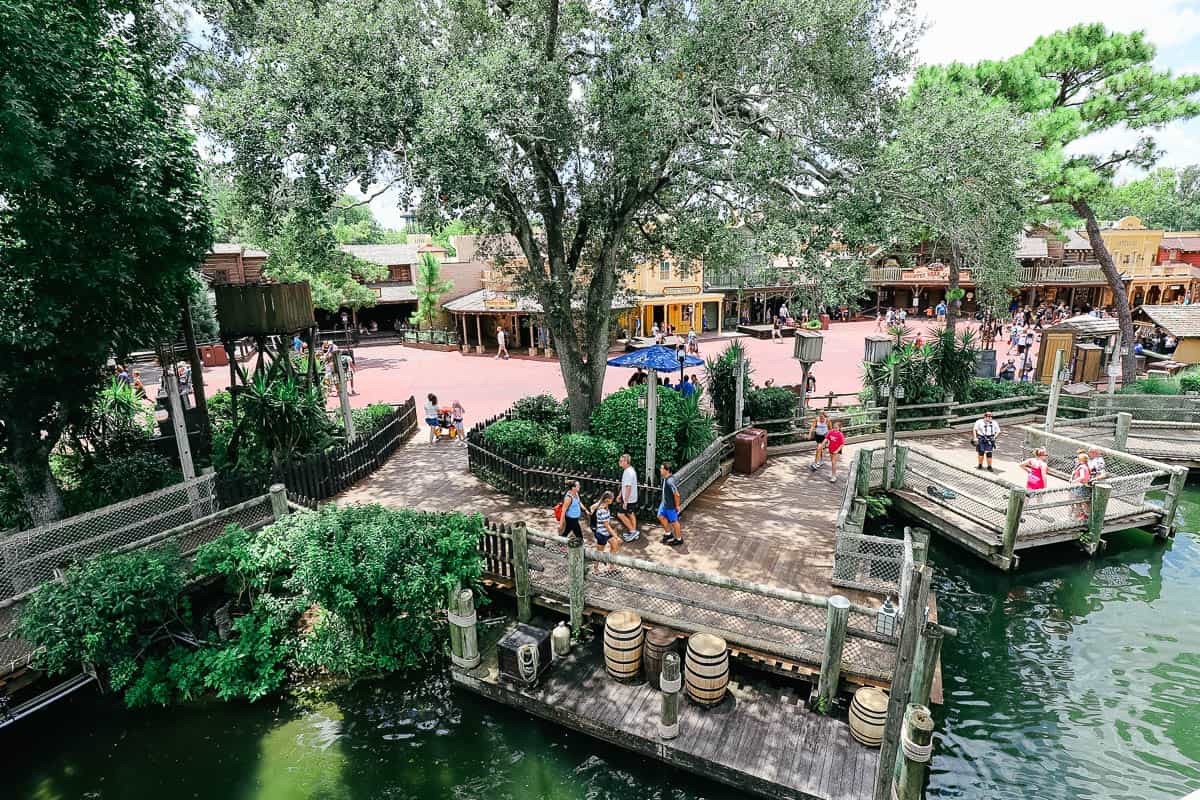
{"points": [[1076, 680]]}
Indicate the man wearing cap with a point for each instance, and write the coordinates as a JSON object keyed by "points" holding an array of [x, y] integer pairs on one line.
{"points": [[985, 433]]}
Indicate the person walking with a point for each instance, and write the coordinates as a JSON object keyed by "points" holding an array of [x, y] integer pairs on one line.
{"points": [[602, 526], [628, 498], [571, 512], [985, 433], [776, 333], [668, 509], [817, 432], [458, 416], [431, 415], [501, 343], [834, 441]]}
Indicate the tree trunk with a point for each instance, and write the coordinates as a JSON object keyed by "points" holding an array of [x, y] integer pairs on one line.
{"points": [[951, 285], [29, 457], [1113, 276]]}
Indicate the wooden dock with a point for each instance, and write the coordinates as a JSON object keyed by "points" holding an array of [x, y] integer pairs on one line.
{"points": [[762, 738]]}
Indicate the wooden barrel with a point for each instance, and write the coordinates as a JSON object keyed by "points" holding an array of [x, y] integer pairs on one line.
{"points": [[706, 669], [659, 642], [623, 644], [868, 715]]}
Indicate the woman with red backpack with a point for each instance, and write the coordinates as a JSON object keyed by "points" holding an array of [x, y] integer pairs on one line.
{"points": [[569, 511]]}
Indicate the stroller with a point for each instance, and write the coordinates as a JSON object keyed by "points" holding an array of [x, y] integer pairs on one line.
{"points": [[446, 429]]}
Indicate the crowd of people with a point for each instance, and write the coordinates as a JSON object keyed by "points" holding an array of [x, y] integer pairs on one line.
{"points": [[612, 518]]}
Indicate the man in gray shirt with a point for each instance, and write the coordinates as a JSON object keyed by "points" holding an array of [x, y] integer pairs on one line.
{"points": [[627, 498]]}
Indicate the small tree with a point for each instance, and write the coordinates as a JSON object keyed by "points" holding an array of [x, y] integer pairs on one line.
{"points": [[430, 288]]}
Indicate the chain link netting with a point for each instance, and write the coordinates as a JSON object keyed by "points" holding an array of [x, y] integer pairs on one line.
{"points": [[974, 496], [1147, 438], [869, 563], [772, 625], [1159, 407], [29, 558]]}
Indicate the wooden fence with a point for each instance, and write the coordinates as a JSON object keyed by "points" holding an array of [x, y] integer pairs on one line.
{"points": [[329, 473]]}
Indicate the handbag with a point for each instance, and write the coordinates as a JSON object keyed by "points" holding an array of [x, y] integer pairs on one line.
{"points": [[558, 511]]}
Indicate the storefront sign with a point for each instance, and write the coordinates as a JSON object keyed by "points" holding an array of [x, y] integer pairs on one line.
{"points": [[681, 290]]}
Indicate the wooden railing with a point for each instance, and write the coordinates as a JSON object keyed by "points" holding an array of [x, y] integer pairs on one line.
{"points": [[1067, 273]]}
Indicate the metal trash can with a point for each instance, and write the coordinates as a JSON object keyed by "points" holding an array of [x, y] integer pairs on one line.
{"points": [[749, 451]]}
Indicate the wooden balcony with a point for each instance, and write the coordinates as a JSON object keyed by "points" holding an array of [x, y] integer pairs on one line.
{"points": [[1065, 274]]}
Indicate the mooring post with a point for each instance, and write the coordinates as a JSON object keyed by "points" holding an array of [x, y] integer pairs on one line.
{"points": [[1121, 432], [929, 649], [520, 542], [575, 575], [1171, 502], [279, 506], [739, 398], [890, 433], [916, 748], [178, 423], [862, 472], [651, 425], [920, 544], [465, 618], [1012, 523], [915, 605], [901, 460], [1055, 391], [837, 615], [1100, 493], [456, 647], [343, 396], [670, 682]]}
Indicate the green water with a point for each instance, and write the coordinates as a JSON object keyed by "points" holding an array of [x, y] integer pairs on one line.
{"points": [[1080, 680]]}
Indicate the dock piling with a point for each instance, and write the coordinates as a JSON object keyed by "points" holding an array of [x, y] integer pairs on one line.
{"points": [[670, 682], [898, 466], [916, 748], [837, 616], [1100, 493], [1012, 523], [575, 575], [279, 503], [465, 621], [1121, 432], [520, 542], [929, 649], [1171, 502]]}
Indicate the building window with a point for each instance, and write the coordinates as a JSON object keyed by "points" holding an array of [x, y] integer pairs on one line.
{"points": [[401, 273], [664, 270]]}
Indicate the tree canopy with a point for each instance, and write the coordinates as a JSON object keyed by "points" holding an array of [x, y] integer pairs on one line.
{"points": [[102, 220], [1070, 85], [596, 136], [1166, 198]]}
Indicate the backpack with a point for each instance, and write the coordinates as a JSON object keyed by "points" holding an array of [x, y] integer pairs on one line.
{"points": [[558, 512]]}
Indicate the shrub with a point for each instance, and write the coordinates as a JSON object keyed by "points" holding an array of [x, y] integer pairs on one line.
{"points": [[619, 419], [372, 418], [103, 483], [771, 402], [1189, 382], [812, 325], [517, 437], [12, 502], [695, 430], [543, 410], [721, 375], [584, 451], [982, 389]]}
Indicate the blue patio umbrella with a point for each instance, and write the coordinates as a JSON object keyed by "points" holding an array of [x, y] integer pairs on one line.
{"points": [[656, 357]]}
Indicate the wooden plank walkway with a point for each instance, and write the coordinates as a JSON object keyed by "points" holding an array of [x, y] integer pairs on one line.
{"points": [[761, 738]]}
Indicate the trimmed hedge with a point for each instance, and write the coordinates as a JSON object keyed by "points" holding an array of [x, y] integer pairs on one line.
{"points": [[517, 437], [584, 451]]}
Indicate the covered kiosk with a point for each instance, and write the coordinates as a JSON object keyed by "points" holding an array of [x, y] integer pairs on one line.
{"points": [[1179, 321], [1088, 344], [477, 315]]}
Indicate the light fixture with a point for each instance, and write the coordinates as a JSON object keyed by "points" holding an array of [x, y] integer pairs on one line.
{"points": [[885, 622], [899, 392]]}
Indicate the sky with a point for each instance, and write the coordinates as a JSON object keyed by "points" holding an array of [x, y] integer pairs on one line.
{"points": [[973, 30]]}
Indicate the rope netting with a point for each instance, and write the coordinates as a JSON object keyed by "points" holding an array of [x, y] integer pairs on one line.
{"points": [[869, 563], [970, 494]]}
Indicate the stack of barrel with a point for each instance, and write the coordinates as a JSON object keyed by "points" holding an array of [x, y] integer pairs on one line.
{"points": [[627, 648]]}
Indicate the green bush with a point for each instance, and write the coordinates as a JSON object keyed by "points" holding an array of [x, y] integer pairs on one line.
{"points": [[1189, 382], [721, 374], [584, 451], [12, 502], [694, 430], [517, 437], [543, 410], [771, 402], [1164, 386], [370, 419], [979, 390], [103, 483], [619, 419]]}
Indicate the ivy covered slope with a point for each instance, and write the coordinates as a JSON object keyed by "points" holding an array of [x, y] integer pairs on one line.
{"points": [[347, 592]]}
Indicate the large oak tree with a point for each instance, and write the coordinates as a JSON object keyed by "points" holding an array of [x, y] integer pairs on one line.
{"points": [[595, 135]]}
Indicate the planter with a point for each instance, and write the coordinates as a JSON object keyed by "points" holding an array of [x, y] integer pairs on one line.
{"points": [[466, 348], [479, 349], [824, 322]]}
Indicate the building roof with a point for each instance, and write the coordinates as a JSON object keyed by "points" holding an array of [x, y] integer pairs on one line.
{"points": [[1087, 325], [1077, 241], [489, 301], [1178, 320], [1190, 244], [384, 254], [1032, 247], [391, 293], [225, 248]]}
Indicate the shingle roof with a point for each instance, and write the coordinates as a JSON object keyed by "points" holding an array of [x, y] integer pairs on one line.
{"points": [[1190, 244], [391, 293], [222, 248], [488, 301], [384, 254], [1177, 320], [1031, 247], [1087, 325]]}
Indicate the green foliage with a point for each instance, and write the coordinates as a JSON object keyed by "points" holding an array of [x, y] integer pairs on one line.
{"points": [[771, 402], [13, 514], [1189, 382], [517, 437], [982, 389], [117, 423], [1166, 198], [878, 505], [102, 221], [694, 430], [544, 410], [371, 418], [105, 611], [945, 365], [812, 325], [429, 287], [721, 380], [1151, 386], [112, 480], [575, 451], [281, 415], [620, 419]]}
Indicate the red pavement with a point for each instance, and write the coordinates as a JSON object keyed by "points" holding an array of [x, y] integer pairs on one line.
{"points": [[486, 386]]}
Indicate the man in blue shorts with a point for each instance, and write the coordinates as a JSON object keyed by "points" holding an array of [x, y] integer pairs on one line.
{"points": [[668, 509]]}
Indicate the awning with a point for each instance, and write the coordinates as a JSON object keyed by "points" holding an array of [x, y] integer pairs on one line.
{"points": [[679, 299]]}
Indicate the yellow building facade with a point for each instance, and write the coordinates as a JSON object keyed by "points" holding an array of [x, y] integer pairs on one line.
{"points": [[1135, 252], [671, 292]]}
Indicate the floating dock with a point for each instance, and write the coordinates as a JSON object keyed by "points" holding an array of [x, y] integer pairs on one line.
{"points": [[761, 738]]}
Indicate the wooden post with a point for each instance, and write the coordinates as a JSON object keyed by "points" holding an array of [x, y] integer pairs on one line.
{"points": [[1116, 359], [279, 503], [862, 472], [929, 649], [1012, 522], [837, 615], [1171, 502], [465, 610], [739, 400], [1100, 493], [915, 604], [1121, 432], [920, 544], [1055, 391], [575, 573], [890, 437], [917, 750], [171, 381], [478, 335], [520, 542], [670, 682], [456, 648], [343, 397], [651, 424], [898, 467]]}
